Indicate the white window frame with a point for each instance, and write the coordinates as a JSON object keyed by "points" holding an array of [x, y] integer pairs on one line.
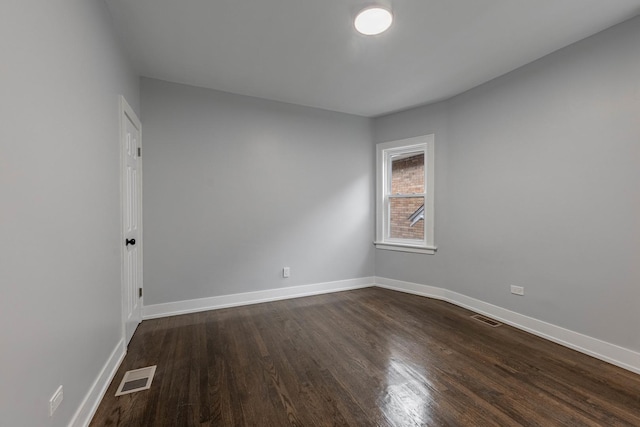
{"points": [[384, 152]]}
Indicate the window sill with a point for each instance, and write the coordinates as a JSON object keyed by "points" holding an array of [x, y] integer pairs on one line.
{"points": [[405, 248]]}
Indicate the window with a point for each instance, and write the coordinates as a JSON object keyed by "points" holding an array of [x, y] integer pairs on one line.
{"points": [[404, 195]]}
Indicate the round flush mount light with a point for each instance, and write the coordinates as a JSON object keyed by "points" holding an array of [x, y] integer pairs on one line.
{"points": [[373, 20]]}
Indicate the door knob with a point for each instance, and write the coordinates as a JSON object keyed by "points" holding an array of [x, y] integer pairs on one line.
{"points": [[130, 242]]}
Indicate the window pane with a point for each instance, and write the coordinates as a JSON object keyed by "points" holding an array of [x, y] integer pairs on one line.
{"points": [[407, 173], [406, 218]]}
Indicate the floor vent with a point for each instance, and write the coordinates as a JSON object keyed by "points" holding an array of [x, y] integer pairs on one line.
{"points": [[486, 320], [136, 380]]}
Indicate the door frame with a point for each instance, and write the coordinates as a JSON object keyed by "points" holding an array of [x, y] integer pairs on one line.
{"points": [[126, 112]]}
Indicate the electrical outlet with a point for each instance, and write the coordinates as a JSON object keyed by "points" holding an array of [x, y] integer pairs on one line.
{"points": [[55, 401], [286, 272], [517, 290]]}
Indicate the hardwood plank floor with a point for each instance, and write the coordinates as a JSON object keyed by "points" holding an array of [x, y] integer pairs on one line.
{"points": [[369, 357]]}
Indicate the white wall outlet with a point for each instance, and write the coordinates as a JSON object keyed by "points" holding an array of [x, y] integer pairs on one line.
{"points": [[517, 290], [286, 272], [55, 401]]}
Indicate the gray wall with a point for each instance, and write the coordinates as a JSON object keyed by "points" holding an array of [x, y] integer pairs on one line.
{"points": [[60, 308], [235, 188], [538, 185]]}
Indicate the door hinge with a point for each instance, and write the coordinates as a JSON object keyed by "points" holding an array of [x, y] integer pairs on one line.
{"points": [[139, 292], [139, 151]]}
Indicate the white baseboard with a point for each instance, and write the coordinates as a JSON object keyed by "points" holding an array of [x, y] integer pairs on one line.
{"points": [[89, 405], [246, 298], [611, 353], [614, 354]]}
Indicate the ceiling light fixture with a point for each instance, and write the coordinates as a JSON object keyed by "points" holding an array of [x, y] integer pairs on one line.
{"points": [[373, 20]]}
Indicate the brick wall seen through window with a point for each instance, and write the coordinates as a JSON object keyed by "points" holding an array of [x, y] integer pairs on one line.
{"points": [[407, 176]]}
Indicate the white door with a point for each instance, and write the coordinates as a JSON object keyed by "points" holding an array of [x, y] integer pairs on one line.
{"points": [[131, 219]]}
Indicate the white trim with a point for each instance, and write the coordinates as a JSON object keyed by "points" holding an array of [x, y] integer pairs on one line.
{"points": [[405, 248], [410, 288], [247, 298], [89, 405], [611, 353], [384, 151]]}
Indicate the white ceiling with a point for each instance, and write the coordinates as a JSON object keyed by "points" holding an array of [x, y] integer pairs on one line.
{"points": [[306, 51]]}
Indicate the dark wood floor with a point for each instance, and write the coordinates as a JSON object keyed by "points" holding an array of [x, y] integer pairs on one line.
{"points": [[369, 357]]}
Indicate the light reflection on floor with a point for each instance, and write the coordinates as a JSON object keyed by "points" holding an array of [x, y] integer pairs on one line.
{"points": [[407, 399]]}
